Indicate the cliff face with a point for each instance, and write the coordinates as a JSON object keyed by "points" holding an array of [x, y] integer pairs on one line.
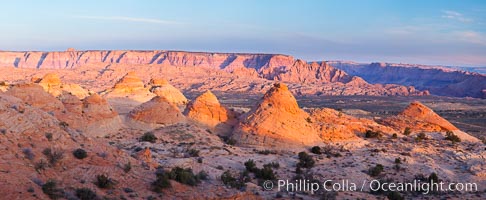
{"points": [[438, 80], [269, 66], [254, 66]]}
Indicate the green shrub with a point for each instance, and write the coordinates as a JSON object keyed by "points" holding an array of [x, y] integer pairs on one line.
{"points": [[41, 165], [376, 170], [266, 173], [250, 165], [53, 156], [452, 137], [148, 137], [420, 137], [298, 170], [184, 176], [305, 160], [104, 182], [372, 134], [80, 153], [231, 141], [161, 182], [193, 152], [266, 152], [308, 119], [316, 150], [329, 151], [407, 131], [48, 136], [63, 124], [202, 175], [50, 189], [274, 165], [127, 167], [394, 195], [433, 177], [86, 194], [231, 181]]}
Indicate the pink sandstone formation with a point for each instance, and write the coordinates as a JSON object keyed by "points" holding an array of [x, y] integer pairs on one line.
{"points": [[268, 66], [207, 110], [163, 88], [157, 111], [336, 126], [420, 118], [277, 119], [53, 85]]}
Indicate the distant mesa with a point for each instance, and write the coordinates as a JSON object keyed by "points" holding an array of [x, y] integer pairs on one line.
{"points": [[157, 111], [274, 67], [207, 110], [439, 80], [276, 120]]}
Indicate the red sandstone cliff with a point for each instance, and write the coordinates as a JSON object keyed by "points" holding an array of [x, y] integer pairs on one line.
{"points": [[268, 66]]}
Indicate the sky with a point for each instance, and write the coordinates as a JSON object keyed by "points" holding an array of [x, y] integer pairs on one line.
{"points": [[442, 32]]}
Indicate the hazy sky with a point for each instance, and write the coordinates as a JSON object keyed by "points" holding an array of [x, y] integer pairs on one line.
{"points": [[449, 32]]}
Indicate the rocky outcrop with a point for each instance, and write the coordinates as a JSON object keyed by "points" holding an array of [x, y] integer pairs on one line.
{"points": [[53, 85], [302, 72], [33, 94], [336, 126], [436, 79], [157, 111], [129, 83], [276, 120], [92, 115], [162, 88], [131, 87], [419, 117], [207, 110], [25, 138]]}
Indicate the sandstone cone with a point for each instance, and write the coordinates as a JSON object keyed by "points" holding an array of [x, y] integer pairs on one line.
{"points": [[92, 115], [50, 79], [128, 92], [276, 120], [419, 117], [157, 111], [96, 106], [207, 110], [129, 83], [161, 87]]}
